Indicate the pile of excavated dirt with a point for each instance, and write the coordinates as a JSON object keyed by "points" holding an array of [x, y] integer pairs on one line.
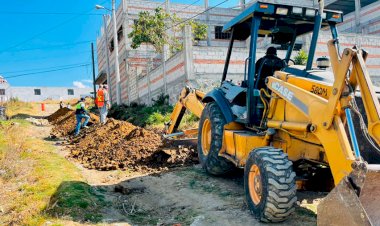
{"points": [[60, 112], [64, 122], [121, 145]]}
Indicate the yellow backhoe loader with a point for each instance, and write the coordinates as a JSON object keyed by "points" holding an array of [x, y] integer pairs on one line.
{"points": [[291, 125]]}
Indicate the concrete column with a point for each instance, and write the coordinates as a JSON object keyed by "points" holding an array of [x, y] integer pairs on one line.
{"points": [[105, 21], [148, 81], [188, 51], [165, 51], [125, 33], [357, 16], [137, 87], [208, 24]]}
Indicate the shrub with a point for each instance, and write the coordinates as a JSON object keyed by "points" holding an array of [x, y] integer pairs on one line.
{"points": [[301, 58]]}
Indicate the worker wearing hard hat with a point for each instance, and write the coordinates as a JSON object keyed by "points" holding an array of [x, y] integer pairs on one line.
{"points": [[81, 113], [102, 101]]}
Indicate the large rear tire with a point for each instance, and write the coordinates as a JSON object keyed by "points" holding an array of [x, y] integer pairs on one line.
{"points": [[270, 185], [210, 141]]}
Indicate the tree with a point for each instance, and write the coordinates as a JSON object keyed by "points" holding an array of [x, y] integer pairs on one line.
{"points": [[301, 58], [152, 29]]}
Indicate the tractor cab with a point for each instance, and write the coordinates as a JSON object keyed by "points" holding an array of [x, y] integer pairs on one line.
{"points": [[282, 24]]}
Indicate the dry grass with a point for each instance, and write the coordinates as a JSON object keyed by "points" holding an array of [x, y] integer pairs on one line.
{"points": [[32, 175], [11, 153], [15, 108], [19, 109]]}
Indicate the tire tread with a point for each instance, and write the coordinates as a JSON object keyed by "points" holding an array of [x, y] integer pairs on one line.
{"points": [[281, 188]]}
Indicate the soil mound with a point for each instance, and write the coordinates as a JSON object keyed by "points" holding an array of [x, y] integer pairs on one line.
{"points": [[64, 122], [53, 117], [121, 145]]}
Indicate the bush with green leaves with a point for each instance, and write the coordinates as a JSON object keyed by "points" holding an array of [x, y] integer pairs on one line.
{"points": [[301, 58], [161, 28], [143, 116]]}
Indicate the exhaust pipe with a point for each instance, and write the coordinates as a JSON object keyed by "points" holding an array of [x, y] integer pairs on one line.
{"points": [[314, 40], [321, 6]]}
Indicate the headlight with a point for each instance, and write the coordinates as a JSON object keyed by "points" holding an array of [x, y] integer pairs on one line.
{"points": [[310, 12], [282, 11], [336, 16], [297, 10]]}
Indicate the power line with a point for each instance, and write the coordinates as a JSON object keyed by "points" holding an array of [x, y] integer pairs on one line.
{"points": [[53, 46], [161, 4], [48, 13], [76, 53], [190, 4], [208, 9], [36, 69], [39, 34], [44, 32], [47, 71]]}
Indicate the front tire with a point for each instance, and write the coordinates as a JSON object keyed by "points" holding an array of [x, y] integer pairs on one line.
{"points": [[270, 186], [210, 141]]}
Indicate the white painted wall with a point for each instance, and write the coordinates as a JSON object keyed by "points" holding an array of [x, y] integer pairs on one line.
{"points": [[54, 93]]}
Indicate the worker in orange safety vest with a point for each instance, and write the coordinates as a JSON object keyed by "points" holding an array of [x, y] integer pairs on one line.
{"points": [[100, 97], [102, 101]]}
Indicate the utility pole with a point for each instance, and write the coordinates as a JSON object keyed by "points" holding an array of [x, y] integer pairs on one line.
{"points": [[107, 56], [93, 69], [116, 44]]}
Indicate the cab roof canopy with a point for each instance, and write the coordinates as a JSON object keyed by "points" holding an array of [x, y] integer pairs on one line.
{"points": [[279, 21]]}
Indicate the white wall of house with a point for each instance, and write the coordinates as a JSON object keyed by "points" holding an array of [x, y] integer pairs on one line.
{"points": [[33, 94], [4, 89]]}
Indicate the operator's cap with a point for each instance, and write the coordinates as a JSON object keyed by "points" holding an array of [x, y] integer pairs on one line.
{"points": [[271, 51]]}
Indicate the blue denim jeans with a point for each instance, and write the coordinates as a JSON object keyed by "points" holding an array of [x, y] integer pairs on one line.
{"points": [[79, 122], [103, 114]]}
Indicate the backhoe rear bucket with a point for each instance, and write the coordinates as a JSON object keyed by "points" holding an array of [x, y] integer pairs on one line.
{"points": [[343, 207]]}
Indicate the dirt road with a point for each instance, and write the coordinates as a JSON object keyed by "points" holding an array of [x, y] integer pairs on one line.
{"points": [[179, 196], [185, 196]]}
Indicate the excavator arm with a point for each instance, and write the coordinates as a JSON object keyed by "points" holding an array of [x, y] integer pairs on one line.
{"points": [[370, 101], [357, 194], [357, 183], [189, 99]]}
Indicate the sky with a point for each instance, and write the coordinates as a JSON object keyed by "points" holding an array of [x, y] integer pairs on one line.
{"points": [[54, 37]]}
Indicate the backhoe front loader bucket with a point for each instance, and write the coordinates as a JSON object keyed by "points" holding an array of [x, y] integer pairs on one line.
{"points": [[355, 201]]}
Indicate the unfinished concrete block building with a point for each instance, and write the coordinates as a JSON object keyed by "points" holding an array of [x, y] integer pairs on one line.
{"points": [[144, 77]]}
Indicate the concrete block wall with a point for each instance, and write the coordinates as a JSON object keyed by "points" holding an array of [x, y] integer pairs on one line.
{"points": [[304, 3], [153, 82], [209, 65], [369, 20], [370, 43]]}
